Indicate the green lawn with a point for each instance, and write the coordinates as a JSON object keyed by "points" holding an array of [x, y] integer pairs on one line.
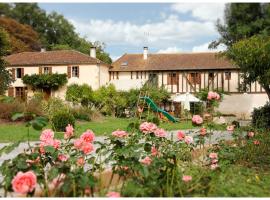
{"points": [[16, 132]]}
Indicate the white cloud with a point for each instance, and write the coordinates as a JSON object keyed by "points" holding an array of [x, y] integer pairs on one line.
{"points": [[168, 32], [202, 11], [170, 50], [204, 48]]}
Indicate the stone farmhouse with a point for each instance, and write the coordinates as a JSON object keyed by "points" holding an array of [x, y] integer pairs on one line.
{"points": [[178, 73]]}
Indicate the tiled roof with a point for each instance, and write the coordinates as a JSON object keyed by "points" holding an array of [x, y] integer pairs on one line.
{"points": [[180, 61], [60, 57]]}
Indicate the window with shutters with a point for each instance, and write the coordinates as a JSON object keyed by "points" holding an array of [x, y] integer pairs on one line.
{"points": [[20, 93], [46, 70], [75, 71], [19, 72], [227, 75], [172, 78], [195, 78]]}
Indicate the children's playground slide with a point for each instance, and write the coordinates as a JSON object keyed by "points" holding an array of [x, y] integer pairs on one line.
{"points": [[155, 108]]}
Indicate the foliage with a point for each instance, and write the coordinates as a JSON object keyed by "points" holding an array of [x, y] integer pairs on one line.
{"points": [[61, 118], [252, 56], [80, 94], [45, 81], [54, 30], [5, 76], [22, 37], [260, 117], [242, 20], [82, 113], [10, 108]]}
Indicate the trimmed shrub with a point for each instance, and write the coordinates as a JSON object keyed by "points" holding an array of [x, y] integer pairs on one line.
{"points": [[260, 117], [61, 119]]}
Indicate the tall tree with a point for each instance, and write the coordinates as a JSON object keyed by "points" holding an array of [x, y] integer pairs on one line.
{"points": [[252, 55], [5, 77], [242, 20], [22, 37]]}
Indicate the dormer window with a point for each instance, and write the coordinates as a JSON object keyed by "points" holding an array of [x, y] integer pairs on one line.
{"points": [[124, 64]]}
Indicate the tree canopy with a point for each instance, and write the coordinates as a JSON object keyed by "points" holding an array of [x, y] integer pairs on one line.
{"points": [[252, 55], [5, 77], [55, 31], [242, 20]]}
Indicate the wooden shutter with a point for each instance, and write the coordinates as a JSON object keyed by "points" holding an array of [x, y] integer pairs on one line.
{"points": [[11, 91], [40, 70], [22, 71], [50, 70], [198, 78], [13, 73], [78, 71], [169, 79], [69, 71]]}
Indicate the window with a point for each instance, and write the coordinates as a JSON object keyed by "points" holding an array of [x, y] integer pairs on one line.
{"points": [[19, 73], [211, 76], [20, 92], [46, 70], [195, 78], [172, 78], [227, 75], [75, 71]]}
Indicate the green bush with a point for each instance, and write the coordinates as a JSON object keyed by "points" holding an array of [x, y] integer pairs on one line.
{"points": [[61, 119], [82, 113], [260, 117]]}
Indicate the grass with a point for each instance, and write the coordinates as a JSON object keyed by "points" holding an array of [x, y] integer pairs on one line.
{"points": [[18, 132]]}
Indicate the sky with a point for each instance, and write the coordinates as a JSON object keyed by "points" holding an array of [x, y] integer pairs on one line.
{"points": [[128, 27]]}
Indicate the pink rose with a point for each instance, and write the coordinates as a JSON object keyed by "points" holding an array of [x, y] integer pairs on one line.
{"points": [[46, 135], [88, 136], [146, 161], [217, 96], [56, 144], [214, 161], [154, 151], [63, 157], [160, 132], [119, 134], [203, 131], [213, 95], [256, 142], [186, 178], [213, 155], [197, 119], [24, 182], [188, 139], [251, 134], [148, 127], [80, 161], [230, 128], [78, 143], [214, 166], [113, 194], [41, 148], [180, 135], [69, 132], [87, 148]]}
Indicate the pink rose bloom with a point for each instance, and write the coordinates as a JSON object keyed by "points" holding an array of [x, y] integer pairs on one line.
{"points": [[154, 151], [203, 131], [214, 166], [214, 161], [24, 182], [69, 131], [188, 139], [63, 157], [186, 178], [113, 194], [78, 143], [148, 127], [56, 144], [197, 119], [251, 134], [88, 136], [46, 135], [41, 148], [256, 142], [119, 134], [146, 161], [213, 155], [180, 135], [160, 132], [213, 95], [230, 128], [87, 148], [80, 161], [217, 96]]}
